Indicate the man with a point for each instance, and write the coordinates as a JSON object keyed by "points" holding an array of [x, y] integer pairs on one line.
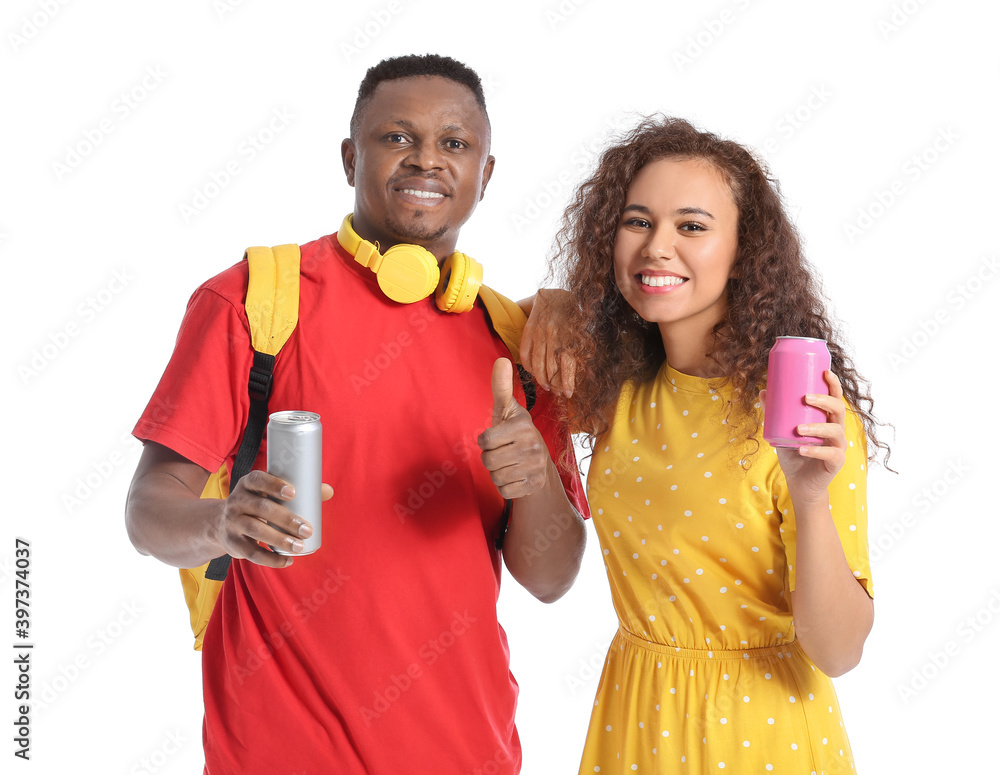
{"points": [[381, 652]]}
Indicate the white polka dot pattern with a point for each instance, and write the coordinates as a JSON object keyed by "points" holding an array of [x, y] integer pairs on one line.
{"points": [[704, 673]]}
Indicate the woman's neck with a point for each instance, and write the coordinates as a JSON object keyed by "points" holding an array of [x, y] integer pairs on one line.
{"points": [[688, 348]]}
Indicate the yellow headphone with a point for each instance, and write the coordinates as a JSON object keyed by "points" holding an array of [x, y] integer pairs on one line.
{"points": [[408, 273]]}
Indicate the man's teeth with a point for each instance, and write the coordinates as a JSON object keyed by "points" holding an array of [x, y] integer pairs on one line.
{"points": [[423, 194], [658, 281]]}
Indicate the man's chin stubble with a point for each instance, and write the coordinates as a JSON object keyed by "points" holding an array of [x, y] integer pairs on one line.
{"points": [[414, 231]]}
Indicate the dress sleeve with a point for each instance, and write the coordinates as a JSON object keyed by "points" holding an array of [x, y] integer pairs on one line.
{"points": [[848, 507], [200, 406]]}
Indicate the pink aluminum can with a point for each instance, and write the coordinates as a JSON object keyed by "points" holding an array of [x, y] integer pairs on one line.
{"points": [[795, 367]]}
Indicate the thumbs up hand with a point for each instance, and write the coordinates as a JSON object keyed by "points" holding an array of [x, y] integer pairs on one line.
{"points": [[514, 452]]}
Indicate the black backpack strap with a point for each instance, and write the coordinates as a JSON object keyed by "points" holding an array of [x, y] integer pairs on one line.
{"points": [[528, 384], [259, 388], [508, 505]]}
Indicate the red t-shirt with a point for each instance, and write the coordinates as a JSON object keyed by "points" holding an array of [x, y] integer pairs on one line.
{"points": [[381, 652]]}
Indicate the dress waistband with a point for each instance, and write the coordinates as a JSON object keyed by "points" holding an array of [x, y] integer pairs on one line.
{"points": [[779, 651]]}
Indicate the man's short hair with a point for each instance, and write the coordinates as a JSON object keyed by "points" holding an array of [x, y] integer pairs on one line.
{"points": [[412, 66]]}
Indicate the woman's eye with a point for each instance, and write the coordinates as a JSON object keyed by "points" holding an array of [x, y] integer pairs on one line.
{"points": [[641, 223], [693, 227]]}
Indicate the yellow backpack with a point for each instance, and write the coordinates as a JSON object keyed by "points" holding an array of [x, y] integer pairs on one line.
{"points": [[272, 307]]}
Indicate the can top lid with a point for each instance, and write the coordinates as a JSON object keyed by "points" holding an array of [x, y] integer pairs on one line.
{"points": [[804, 338], [294, 417]]}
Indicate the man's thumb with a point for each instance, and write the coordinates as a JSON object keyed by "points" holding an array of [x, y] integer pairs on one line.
{"points": [[503, 389]]}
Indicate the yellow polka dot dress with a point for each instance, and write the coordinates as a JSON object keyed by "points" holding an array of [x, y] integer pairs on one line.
{"points": [[704, 674]]}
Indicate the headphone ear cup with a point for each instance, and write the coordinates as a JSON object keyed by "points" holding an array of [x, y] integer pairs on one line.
{"points": [[408, 273], [461, 279]]}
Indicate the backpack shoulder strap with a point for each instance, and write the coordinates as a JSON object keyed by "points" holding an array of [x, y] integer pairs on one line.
{"points": [[508, 321], [272, 307], [272, 303], [507, 318]]}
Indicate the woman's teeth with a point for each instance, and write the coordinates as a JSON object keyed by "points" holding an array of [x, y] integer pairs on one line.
{"points": [[658, 281]]}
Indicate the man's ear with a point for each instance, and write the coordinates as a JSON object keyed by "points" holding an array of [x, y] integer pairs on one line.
{"points": [[348, 152], [487, 174]]}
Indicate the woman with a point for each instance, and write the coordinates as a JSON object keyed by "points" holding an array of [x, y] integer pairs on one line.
{"points": [[739, 573]]}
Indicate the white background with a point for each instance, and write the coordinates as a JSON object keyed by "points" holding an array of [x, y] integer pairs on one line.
{"points": [[840, 98]]}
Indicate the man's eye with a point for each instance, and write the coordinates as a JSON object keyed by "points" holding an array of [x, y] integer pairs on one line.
{"points": [[395, 137], [455, 144]]}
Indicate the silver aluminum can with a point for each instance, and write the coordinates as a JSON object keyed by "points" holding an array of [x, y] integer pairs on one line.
{"points": [[295, 454]]}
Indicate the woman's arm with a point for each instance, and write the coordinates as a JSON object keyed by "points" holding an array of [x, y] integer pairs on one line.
{"points": [[832, 611], [545, 350]]}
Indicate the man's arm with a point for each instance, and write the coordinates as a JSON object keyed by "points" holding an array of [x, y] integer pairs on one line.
{"points": [[166, 517], [544, 544]]}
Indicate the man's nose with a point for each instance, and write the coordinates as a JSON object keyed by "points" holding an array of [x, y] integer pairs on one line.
{"points": [[425, 156]]}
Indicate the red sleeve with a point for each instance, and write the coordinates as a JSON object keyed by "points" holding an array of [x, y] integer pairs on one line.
{"points": [[546, 416], [200, 406]]}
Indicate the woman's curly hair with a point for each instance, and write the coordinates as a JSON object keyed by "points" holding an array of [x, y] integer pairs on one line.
{"points": [[773, 293]]}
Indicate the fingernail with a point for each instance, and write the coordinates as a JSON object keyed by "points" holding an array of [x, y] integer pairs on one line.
{"points": [[297, 546], [305, 529], [288, 492]]}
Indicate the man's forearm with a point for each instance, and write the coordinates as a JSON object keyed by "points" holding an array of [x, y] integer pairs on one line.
{"points": [[545, 540], [167, 520]]}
